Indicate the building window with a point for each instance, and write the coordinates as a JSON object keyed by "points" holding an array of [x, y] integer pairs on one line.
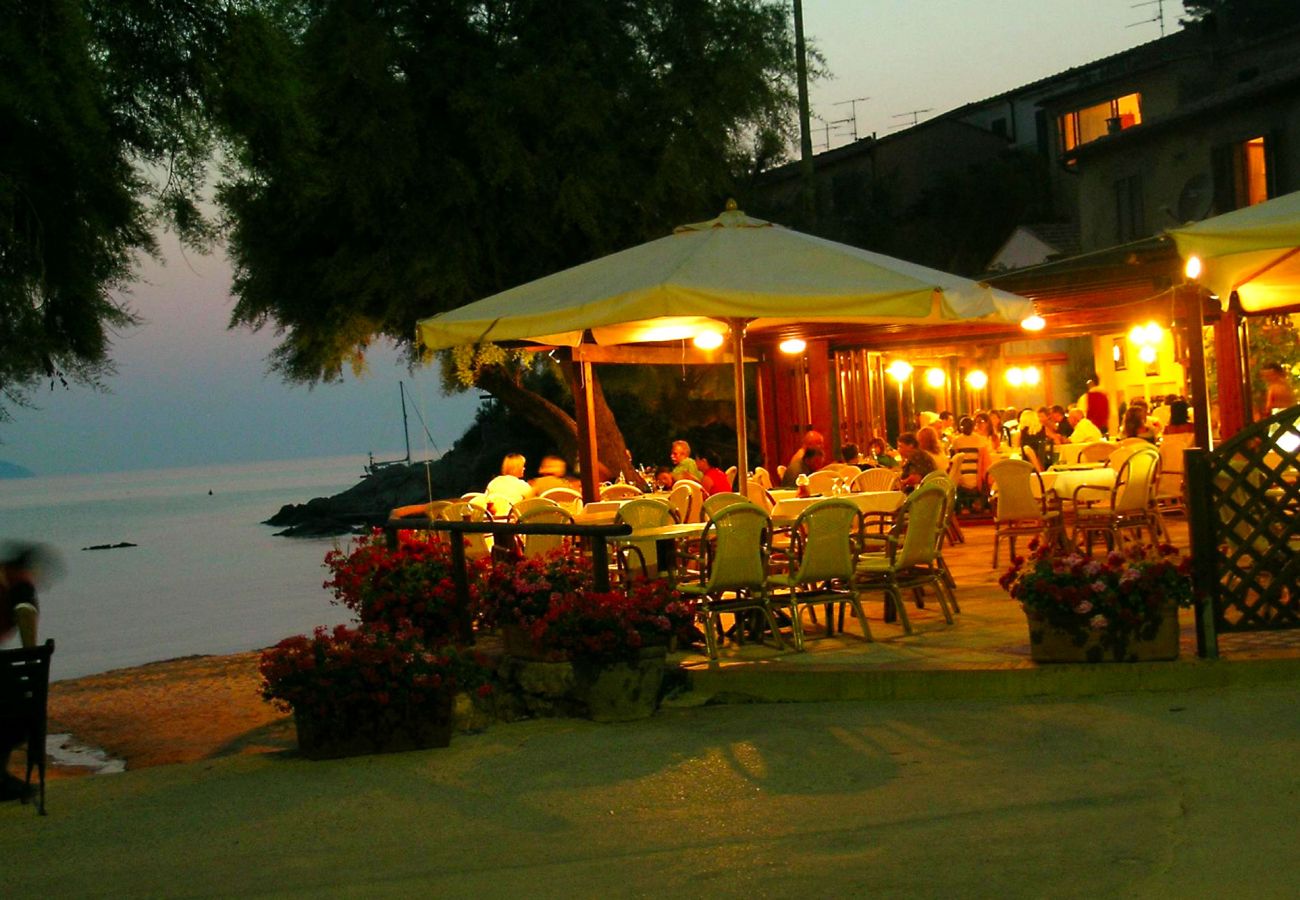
{"points": [[1085, 125], [1243, 173], [1129, 220]]}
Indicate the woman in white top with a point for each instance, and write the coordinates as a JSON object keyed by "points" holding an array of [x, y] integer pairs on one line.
{"points": [[510, 484]]}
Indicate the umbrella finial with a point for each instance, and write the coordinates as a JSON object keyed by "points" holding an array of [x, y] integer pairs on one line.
{"points": [[732, 206]]}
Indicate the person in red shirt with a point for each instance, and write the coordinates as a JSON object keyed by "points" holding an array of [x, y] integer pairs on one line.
{"points": [[714, 479]]}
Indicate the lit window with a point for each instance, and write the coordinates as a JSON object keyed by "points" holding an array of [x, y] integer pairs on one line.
{"points": [[1255, 175], [1242, 173], [1086, 125]]}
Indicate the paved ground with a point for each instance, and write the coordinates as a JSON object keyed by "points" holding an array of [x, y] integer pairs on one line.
{"points": [[1187, 794]]}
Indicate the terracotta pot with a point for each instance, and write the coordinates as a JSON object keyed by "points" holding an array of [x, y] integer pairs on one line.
{"points": [[333, 737], [1152, 641], [621, 692]]}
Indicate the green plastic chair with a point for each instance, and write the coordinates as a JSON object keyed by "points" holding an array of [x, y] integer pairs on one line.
{"points": [[644, 513], [912, 550], [531, 545], [822, 565], [476, 545], [735, 579], [716, 502]]}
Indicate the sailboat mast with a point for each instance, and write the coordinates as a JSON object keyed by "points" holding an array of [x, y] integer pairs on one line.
{"points": [[406, 433]]}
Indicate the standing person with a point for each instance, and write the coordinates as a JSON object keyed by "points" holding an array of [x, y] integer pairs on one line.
{"points": [[683, 465], [1278, 393], [1096, 405], [19, 573], [916, 462], [796, 466], [714, 479]]}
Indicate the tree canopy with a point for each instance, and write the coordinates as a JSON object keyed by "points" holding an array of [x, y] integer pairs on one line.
{"points": [[407, 157], [105, 137]]}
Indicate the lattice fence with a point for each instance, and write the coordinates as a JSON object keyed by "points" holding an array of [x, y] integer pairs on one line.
{"points": [[1244, 504]]}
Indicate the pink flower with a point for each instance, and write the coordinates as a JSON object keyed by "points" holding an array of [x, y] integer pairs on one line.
{"points": [[1098, 623]]}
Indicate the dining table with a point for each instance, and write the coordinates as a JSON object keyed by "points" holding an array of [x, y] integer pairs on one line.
{"points": [[788, 509], [603, 512], [665, 538], [1065, 480]]}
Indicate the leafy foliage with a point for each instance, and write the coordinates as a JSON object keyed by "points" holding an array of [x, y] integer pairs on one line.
{"points": [[105, 136], [430, 155]]}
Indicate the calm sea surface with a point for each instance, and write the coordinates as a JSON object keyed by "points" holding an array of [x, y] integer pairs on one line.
{"points": [[206, 576]]}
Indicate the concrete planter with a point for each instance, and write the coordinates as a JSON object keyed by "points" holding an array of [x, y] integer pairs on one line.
{"points": [[621, 692], [1154, 640]]}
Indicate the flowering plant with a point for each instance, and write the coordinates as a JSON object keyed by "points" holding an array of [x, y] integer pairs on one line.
{"points": [[1121, 594], [519, 592], [350, 678], [410, 584], [613, 626]]}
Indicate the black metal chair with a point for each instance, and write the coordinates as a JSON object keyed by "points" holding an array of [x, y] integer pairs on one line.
{"points": [[24, 690]]}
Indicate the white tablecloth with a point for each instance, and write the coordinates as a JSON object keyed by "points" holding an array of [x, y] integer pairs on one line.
{"points": [[867, 502], [1064, 483]]}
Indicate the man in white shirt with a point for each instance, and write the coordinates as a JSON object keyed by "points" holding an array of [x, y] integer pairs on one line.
{"points": [[1085, 432]]}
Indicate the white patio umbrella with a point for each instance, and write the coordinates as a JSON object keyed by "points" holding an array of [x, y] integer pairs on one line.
{"points": [[730, 273], [1254, 251]]}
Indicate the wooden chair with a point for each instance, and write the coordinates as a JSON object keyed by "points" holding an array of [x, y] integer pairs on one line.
{"points": [[24, 694]]}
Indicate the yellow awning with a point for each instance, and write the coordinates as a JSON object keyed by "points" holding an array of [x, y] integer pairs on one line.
{"points": [[731, 267], [1254, 251]]}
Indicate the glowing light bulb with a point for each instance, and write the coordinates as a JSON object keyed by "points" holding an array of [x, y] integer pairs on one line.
{"points": [[899, 370], [708, 340], [977, 379], [1193, 268], [935, 377], [1147, 354], [1031, 375], [1015, 377], [1033, 323], [793, 345]]}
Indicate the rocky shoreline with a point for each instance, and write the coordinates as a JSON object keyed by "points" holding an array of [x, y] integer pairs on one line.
{"points": [[361, 507]]}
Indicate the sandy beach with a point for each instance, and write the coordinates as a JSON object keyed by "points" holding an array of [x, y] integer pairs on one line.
{"points": [[175, 711]]}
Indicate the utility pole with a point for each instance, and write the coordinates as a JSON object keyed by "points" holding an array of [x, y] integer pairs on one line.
{"points": [[807, 189]]}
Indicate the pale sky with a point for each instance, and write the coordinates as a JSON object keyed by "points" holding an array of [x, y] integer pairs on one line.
{"points": [[189, 392]]}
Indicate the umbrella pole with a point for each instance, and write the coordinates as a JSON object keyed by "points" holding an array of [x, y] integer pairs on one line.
{"points": [[738, 371], [585, 414]]}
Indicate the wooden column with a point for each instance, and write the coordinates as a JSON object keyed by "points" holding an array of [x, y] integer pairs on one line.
{"points": [[742, 424], [584, 403], [1194, 306], [1231, 373]]}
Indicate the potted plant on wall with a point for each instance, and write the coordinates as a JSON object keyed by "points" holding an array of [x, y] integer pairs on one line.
{"points": [[371, 689], [1123, 608], [618, 642], [517, 594]]}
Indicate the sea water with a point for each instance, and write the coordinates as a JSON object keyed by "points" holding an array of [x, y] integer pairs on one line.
{"points": [[205, 577]]}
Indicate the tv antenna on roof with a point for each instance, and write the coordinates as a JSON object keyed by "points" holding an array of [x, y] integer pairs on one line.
{"points": [[853, 112], [914, 113], [1158, 17]]}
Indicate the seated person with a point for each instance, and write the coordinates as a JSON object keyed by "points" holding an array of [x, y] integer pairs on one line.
{"points": [[714, 479], [1084, 431], [664, 478], [879, 454], [1180, 420], [683, 465], [551, 474], [796, 466], [18, 576], [510, 484], [916, 462], [850, 456]]}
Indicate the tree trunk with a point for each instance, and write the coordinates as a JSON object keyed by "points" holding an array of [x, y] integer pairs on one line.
{"points": [[558, 425], [610, 446]]}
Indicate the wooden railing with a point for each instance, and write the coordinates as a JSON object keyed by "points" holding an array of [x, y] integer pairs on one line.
{"points": [[596, 535]]}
